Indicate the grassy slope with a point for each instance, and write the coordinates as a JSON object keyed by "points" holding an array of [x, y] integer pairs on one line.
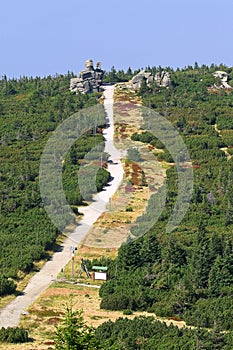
{"points": [[45, 312]]}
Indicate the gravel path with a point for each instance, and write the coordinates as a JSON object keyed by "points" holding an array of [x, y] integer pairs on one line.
{"points": [[10, 315]]}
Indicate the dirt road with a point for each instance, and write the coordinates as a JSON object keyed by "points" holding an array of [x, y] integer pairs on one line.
{"points": [[10, 315]]}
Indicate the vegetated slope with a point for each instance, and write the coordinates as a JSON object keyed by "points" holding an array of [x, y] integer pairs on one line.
{"points": [[147, 334], [30, 109], [189, 272]]}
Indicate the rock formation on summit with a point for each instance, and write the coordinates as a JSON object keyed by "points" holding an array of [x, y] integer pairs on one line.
{"points": [[223, 76], [161, 79], [138, 78], [89, 80]]}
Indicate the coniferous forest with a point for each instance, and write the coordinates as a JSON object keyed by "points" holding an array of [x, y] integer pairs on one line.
{"points": [[186, 274], [30, 110]]}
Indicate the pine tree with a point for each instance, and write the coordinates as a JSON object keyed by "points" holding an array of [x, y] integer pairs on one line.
{"points": [[74, 334], [143, 87], [200, 263], [219, 276], [150, 251]]}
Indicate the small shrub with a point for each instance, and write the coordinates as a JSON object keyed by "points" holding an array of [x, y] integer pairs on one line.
{"points": [[7, 286], [127, 312], [13, 335], [129, 209]]}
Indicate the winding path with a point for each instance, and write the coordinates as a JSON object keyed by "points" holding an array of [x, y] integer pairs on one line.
{"points": [[10, 315]]}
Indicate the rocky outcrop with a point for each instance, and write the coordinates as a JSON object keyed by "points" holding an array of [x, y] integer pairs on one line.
{"points": [[89, 80], [161, 79], [223, 76], [138, 78]]}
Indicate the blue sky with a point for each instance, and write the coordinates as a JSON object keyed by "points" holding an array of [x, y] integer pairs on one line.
{"points": [[43, 37]]}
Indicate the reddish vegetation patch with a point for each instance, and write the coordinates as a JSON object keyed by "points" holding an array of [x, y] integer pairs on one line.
{"points": [[137, 174], [134, 171], [124, 114], [175, 318], [140, 341], [121, 128], [64, 291], [49, 343], [136, 168], [123, 107], [53, 320], [100, 164], [120, 124], [218, 90], [118, 105], [136, 180], [184, 166], [129, 188]]}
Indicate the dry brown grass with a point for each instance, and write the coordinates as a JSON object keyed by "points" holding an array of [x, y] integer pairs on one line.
{"points": [[106, 235], [140, 181], [124, 93], [46, 313]]}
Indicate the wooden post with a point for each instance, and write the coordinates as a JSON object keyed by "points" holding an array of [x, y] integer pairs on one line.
{"points": [[72, 265]]}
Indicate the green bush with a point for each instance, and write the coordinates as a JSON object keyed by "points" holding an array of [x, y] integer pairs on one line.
{"points": [[147, 334], [7, 286], [129, 209], [127, 312], [13, 335], [134, 155]]}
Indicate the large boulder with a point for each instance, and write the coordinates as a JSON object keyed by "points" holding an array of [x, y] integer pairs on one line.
{"points": [[162, 79], [138, 78], [89, 80], [223, 76]]}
